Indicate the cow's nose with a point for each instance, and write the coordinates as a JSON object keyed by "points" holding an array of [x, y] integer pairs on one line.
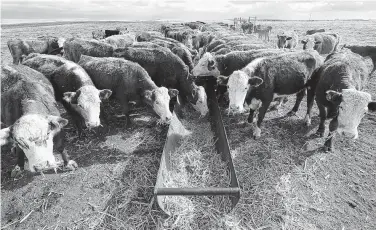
{"points": [[92, 124], [349, 135], [168, 119]]}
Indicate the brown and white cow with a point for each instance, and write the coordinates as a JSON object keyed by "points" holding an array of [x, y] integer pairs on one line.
{"points": [[30, 113], [338, 88], [265, 78], [324, 43]]}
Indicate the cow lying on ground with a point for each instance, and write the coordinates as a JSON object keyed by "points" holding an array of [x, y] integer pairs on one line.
{"points": [[168, 70], [288, 40], [19, 47], [34, 125], [337, 86], [263, 78], [324, 43], [73, 48], [129, 82], [364, 51], [73, 88], [310, 32]]}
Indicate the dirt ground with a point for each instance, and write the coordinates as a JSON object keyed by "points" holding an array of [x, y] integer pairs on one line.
{"points": [[287, 180]]}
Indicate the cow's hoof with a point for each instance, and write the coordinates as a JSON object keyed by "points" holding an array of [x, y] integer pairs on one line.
{"points": [[72, 165], [256, 133], [16, 172], [307, 120], [328, 149], [291, 113]]}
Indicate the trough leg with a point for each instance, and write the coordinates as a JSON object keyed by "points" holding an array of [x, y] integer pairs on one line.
{"points": [[299, 97], [328, 146], [322, 115], [261, 115]]}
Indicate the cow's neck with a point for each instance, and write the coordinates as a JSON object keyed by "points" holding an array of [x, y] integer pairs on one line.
{"points": [[220, 60]]}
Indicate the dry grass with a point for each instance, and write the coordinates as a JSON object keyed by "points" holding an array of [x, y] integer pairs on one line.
{"points": [[287, 181]]}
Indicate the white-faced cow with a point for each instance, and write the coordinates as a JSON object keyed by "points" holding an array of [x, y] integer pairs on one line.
{"points": [[288, 40], [265, 78], [168, 70], [337, 86], [324, 43], [129, 82], [30, 113], [73, 88]]}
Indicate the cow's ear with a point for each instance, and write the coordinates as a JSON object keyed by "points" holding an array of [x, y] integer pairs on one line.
{"points": [[255, 82], [333, 96], [303, 41], [148, 94], [222, 80], [5, 136], [173, 92], [372, 106], [70, 97], [288, 38], [104, 94], [56, 123]]}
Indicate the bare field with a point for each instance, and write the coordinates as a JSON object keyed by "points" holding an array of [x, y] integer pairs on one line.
{"points": [[287, 181]]}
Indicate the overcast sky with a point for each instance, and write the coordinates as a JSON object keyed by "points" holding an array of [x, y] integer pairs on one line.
{"points": [[34, 10]]}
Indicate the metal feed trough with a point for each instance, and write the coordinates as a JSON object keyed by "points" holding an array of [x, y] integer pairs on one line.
{"points": [[176, 133]]}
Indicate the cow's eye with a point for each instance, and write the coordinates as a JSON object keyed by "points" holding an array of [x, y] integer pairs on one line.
{"points": [[245, 88]]}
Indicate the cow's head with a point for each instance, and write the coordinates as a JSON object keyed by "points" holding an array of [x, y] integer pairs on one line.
{"points": [[200, 102], [206, 66], [283, 40], [352, 106], [310, 43], [239, 83], [159, 100], [187, 39], [34, 134], [86, 102]]}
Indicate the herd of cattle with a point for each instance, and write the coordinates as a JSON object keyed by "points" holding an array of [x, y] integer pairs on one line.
{"points": [[156, 67]]}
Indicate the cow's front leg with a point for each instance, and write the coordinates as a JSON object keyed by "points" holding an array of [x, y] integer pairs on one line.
{"points": [[261, 115], [255, 104], [328, 146]]}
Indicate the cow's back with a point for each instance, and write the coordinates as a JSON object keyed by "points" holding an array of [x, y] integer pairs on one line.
{"points": [[341, 71], [32, 93], [73, 49]]}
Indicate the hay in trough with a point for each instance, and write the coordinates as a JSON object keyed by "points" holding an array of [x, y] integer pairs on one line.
{"points": [[195, 163]]}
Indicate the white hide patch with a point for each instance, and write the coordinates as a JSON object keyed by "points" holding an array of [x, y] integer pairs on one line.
{"points": [[202, 102], [352, 109], [61, 41], [238, 85], [33, 135], [201, 69], [237, 90], [88, 105], [161, 104]]}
